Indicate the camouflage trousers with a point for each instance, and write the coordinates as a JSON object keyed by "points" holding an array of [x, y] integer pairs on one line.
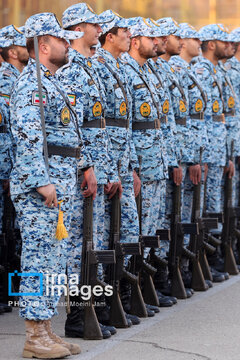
{"points": [[214, 188], [76, 229], [151, 207], [42, 254]]}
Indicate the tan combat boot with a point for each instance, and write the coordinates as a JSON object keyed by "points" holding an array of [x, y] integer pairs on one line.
{"points": [[73, 348], [39, 345]]}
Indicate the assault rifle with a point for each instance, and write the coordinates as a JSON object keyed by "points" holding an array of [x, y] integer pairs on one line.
{"points": [[198, 245], [90, 260], [139, 264], [228, 232], [118, 271], [177, 249]]}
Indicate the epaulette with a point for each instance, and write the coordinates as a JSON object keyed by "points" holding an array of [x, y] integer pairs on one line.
{"points": [[199, 70], [177, 68], [6, 98], [101, 59], [7, 72]]}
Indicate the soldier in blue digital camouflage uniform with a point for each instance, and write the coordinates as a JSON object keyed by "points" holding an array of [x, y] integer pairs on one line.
{"points": [[84, 87], [214, 47], [211, 78], [233, 70], [119, 120], [146, 114], [167, 119], [15, 56], [38, 184], [197, 103]]}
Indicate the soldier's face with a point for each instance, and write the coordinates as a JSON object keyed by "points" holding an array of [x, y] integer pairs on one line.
{"points": [[162, 44], [58, 53], [174, 45], [231, 49], [192, 47], [220, 49], [22, 54], [91, 34], [122, 40], [147, 47]]}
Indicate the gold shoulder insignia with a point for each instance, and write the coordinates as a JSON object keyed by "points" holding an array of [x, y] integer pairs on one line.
{"points": [[101, 60]]}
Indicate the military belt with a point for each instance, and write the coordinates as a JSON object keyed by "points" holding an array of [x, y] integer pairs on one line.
{"points": [[181, 121], [144, 125], [219, 118], [230, 113], [64, 151], [122, 123], [98, 123], [198, 116], [164, 119], [3, 129]]}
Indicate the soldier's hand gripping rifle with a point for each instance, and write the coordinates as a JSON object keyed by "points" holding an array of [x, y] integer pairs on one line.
{"points": [[90, 260], [177, 249], [140, 266], [198, 245], [228, 232]]}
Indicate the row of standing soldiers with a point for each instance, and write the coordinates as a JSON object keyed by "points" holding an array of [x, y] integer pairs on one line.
{"points": [[128, 131]]}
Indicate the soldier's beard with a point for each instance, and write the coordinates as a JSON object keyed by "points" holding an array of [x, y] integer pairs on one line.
{"points": [[59, 62]]}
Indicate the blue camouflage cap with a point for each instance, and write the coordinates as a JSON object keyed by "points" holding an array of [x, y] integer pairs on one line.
{"points": [[154, 23], [48, 24], [168, 26], [11, 35], [82, 13], [214, 32], [112, 19], [234, 36], [187, 31], [139, 26]]}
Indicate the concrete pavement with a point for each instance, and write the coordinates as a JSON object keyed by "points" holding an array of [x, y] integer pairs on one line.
{"points": [[207, 326]]}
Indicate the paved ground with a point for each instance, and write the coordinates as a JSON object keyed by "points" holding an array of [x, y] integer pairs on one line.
{"points": [[207, 326]]}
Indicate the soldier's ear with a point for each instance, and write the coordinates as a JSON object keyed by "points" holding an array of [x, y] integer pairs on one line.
{"points": [[12, 53], [211, 45]]}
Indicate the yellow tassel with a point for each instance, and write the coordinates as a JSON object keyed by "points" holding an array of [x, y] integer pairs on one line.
{"points": [[61, 232]]}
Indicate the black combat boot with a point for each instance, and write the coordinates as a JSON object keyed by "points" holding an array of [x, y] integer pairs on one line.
{"points": [[74, 325]]}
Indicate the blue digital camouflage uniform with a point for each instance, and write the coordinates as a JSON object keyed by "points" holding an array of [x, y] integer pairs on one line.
{"points": [[197, 104], [123, 150], [41, 251], [233, 70], [5, 146], [149, 143], [232, 108], [87, 95], [9, 35], [82, 85], [211, 79]]}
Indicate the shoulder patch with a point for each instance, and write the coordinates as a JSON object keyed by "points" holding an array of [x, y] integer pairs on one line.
{"points": [[7, 72], [6, 98], [139, 86], [90, 82], [158, 85], [191, 86], [101, 59], [36, 100], [72, 99], [199, 70]]}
